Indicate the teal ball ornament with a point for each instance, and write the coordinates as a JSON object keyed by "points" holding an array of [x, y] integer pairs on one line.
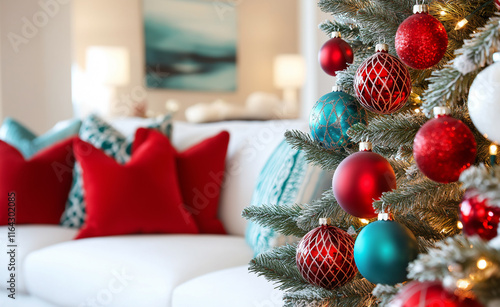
{"points": [[383, 250], [332, 116]]}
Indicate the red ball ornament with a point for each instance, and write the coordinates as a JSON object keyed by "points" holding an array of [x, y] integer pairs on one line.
{"points": [[335, 55], [430, 294], [444, 147], [325, 256], [478, 216], [382, 82], [421, 40], [497, 4], [360, 179]]}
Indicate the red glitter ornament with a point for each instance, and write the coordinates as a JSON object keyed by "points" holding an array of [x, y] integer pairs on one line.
{"points": [[478, 216], [360, 179], [325, 256], [430, 294], [382, 82], [335, 55], [421, 40], [444, 147]]}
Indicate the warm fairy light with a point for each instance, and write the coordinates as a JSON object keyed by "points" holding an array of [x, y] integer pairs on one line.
{"points": [[493, 150], [460, 225], [417, 110], [482, 264], [442, 13], [461, 24], [364, 221], [463, 284], [496, 57]]}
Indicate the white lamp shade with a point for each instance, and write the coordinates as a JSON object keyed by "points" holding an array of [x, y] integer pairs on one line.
{"points": [[289, 71], [108, 65]]}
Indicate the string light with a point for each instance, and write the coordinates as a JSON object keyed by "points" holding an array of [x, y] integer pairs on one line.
{"points": [[482, 264], [493, 154], [460, 225], [463, 284], [442, 13], [364, 221], [461, 23], [493, 149], [496, 57], [465, 21], [417, 110]]}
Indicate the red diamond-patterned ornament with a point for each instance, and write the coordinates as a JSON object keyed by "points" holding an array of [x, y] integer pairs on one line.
{"points": [[325, 256], [382, 82]]}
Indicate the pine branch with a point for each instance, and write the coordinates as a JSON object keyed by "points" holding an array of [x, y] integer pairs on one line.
{"points": [[348, 31], [314, 152], [418, 193], [483, 181], [456, 258], [391, 131], [278, 266], [327, 206], [349, 8], [451, 84], [281, 218], [355, 293]]}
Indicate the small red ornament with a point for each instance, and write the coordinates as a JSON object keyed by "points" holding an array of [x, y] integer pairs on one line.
{"points": [[497, 4], [478, 216], [325, 256], [382, 82], [421, 40], [444, 147], [360, 179], [335, 55], [430, 294]]}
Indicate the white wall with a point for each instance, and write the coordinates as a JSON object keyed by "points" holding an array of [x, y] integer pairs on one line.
{"points": [[36, 74], [265, 29], [318, 82]]}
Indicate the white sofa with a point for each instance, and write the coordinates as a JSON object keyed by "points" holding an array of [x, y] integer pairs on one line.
{"points": [[154, 270]]}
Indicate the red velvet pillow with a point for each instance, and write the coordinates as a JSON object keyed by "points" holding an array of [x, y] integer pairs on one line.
{"points": [[141, 196], [200, 170], [40, 184]]}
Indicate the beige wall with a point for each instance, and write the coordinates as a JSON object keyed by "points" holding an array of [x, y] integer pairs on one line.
{"points": [[36, 77], [266, 28]]}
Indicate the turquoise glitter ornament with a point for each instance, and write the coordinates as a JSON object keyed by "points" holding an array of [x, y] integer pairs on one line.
{"points": [[332, 116], [383, 250]]}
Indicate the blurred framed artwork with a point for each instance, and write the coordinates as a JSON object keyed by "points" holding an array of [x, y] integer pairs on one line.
{"points": [[190, 45]]}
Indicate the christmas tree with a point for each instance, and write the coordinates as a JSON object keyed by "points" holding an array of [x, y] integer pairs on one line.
{"points": [[429, 173]]}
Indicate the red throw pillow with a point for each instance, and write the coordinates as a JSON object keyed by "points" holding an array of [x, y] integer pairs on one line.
{"points": [[40, 185], [200, 170], [141, 196]]}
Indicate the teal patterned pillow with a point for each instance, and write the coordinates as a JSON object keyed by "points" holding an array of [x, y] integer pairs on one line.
{"points": [[19, 136], [286, 179], [102, 135]]}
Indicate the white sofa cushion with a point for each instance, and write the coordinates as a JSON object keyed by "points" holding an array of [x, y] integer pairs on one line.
{"points": [[227, 288], [127, 271], [28, 238]]}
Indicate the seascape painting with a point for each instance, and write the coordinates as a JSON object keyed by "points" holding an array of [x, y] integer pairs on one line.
{"points": [[190, 45]]}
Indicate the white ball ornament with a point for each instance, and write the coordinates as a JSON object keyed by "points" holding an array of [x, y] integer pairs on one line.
{"points": [[484, 102]]}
